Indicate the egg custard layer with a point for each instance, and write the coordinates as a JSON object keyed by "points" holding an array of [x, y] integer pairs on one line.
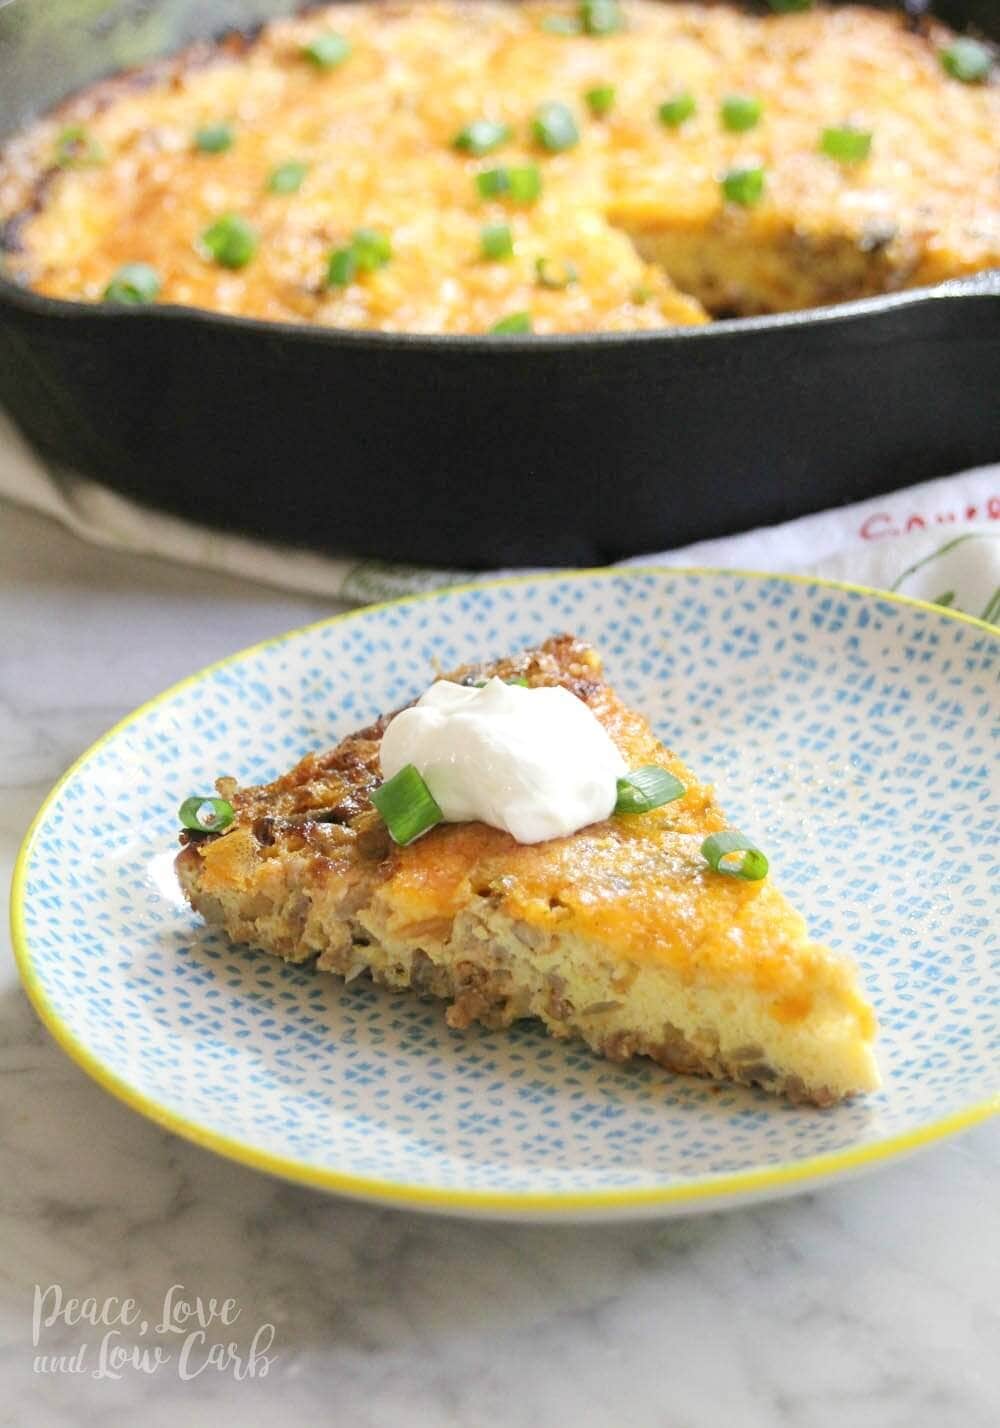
{"points": [[620, 934], [470, 167]]}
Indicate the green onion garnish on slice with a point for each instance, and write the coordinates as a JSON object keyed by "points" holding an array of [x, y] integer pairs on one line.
{"points": [[482, 136], [788, 7], [846, 144], [740, 112], [561, 25], [287, 178], [134, 283], [231, 241], [967, 60], [372, 249], [516, 322], [720, 849], [674, 112], [601, 17], [744, 186], [205, 815], [407, 805], [647, 788], [327, 51], [555, 275], [496, 242], [76, 149], [600, 99], [641, 295], [522, 185], [342, 268], [214, 138], [554, 128]]}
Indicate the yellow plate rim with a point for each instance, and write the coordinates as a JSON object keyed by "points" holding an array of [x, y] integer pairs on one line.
{"points": [[779, 1178]]}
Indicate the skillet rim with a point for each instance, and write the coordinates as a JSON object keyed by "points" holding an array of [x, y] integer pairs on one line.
{"points": [[981, 286]]}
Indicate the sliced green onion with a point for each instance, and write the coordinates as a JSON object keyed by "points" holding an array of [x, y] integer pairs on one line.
{"points": [[372, 249], [600, 99], [206, 815], [368, 250], [482, 136], [647, 788], [214, 138], [134, 283], [496, 242], [327, 51], [555, 275], [674, 112], [522, 185], [846, 144], [744, 186], [788, 7], [967, 60], [641, 295], [516, 322], [342, 268], [75, 148], [231, 241], [407, 805], [525, 183], [601, 17], [287, 178], [740, 112], [492, 183], [554, 128], [719, 849], [561, 25]]}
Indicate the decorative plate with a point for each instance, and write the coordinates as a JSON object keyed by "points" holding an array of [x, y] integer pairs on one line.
{"points": [[852, 733]]}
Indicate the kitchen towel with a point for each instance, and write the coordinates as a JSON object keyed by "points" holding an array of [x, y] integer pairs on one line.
{"points": [[938, 541]]}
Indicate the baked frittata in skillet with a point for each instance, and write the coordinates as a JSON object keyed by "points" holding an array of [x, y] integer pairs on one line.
{"points": [[474, 167]]}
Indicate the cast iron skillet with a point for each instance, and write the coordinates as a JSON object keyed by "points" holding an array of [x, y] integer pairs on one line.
{"points": [[476, 452]]}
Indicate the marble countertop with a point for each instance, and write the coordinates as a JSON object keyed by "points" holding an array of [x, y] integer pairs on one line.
{"points": [[873, 1304]]}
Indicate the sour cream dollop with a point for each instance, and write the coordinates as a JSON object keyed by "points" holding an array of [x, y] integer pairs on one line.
{"points": [[534, 762]]}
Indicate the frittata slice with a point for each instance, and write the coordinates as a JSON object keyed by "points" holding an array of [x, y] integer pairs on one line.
{"points": [[620, 934]]}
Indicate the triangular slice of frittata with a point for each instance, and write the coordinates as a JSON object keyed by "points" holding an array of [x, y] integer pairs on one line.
{"points": [[621, 933]]}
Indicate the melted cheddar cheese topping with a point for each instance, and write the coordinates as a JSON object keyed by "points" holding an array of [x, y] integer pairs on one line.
{"points": [[376, 133], [636, 886]]}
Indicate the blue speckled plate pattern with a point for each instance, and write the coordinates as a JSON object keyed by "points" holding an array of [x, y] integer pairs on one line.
{"points": [[855, 736]]}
